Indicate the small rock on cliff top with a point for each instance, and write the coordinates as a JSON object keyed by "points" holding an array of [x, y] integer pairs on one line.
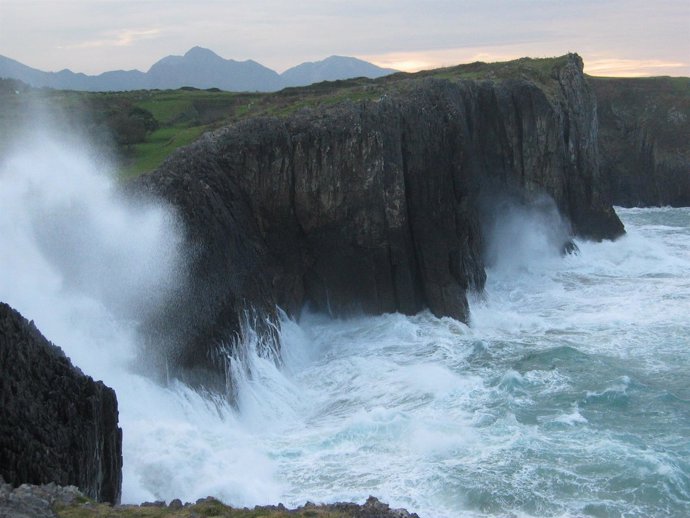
{"points": [[56, 424]]}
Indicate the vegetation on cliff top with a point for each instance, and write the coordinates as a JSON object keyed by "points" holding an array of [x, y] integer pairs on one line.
{"points": [[148, 125]]}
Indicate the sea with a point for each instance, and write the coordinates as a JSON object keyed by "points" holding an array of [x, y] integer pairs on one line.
{"points": [[567, 394]]}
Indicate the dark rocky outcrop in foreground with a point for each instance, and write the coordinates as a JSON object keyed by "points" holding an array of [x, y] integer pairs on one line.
{"points": [[644, 131], [53, 501], [374, 206], [56, 424]]}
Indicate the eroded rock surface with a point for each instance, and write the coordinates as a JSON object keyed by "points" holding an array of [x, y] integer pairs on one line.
{"points": [[56, 424]]}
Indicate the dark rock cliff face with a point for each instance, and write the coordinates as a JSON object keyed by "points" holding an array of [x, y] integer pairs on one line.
{"points": [[644, 138], [56, 424], [374, 207]]}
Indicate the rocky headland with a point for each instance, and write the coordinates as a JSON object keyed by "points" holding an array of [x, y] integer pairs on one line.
{"points": [[644, 130], [367, 206], [374, 206], [56, 424]]}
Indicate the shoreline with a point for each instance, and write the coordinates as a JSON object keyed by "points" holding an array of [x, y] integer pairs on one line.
{"points": [[53, 501]]}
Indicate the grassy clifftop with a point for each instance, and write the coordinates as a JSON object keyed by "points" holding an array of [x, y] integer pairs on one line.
{"points": [[182, 115]]}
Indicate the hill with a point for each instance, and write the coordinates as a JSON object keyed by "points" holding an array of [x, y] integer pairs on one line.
{"points": [[332, 69], [198, 68]]}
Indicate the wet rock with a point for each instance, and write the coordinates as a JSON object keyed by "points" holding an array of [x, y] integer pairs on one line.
{"points": [[570, 248]]}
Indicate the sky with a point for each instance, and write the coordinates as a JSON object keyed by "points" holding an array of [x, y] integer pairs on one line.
{"points": [[616, 37]]}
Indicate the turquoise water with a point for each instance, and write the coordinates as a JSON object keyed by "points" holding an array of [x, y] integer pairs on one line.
{"points": [[567, 395]]}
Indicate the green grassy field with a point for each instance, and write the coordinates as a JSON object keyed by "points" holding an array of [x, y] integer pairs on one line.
{"points": [[181, 116]]}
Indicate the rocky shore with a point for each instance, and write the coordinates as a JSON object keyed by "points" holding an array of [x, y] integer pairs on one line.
{"points": [[371, 207], [53, 501]]}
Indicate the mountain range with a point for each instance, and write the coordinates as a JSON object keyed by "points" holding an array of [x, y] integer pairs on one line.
{"points": [[199, 68]]}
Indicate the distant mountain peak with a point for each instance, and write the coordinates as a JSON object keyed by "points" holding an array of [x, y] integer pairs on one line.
{"points": [[198, 67], [336, 57], [331, 69], [201, 53]]}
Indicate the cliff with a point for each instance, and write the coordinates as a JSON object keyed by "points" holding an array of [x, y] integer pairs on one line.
{"points": [[375, 206], [56, 424], [644, 131]]}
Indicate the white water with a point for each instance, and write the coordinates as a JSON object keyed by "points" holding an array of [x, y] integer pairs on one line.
{"points": [[567, 396], [84, 265]]}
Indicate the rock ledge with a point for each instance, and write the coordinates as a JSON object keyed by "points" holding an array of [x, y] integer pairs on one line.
{"points": [[53, 501]]}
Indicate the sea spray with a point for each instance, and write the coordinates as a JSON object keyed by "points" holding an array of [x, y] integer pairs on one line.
{"points": [[75, 250], [89, 265], [522, 234], [566, 396]]}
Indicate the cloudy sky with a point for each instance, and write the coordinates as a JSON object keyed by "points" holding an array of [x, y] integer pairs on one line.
{"points": [[616, 37]]}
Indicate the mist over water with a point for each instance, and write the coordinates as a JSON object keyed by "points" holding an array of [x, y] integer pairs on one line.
{"points": [[567, 395]]}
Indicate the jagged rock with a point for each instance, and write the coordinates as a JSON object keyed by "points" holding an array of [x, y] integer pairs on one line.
{"points": [[570, 248], [372, 207], [56, 424]]}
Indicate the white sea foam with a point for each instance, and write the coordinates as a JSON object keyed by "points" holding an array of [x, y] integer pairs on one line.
{"points": [[85, 265], [567, 395]]}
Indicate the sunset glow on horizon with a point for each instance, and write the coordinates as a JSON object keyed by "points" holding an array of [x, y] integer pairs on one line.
{"points": [[594, 65], [614, 38]]}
